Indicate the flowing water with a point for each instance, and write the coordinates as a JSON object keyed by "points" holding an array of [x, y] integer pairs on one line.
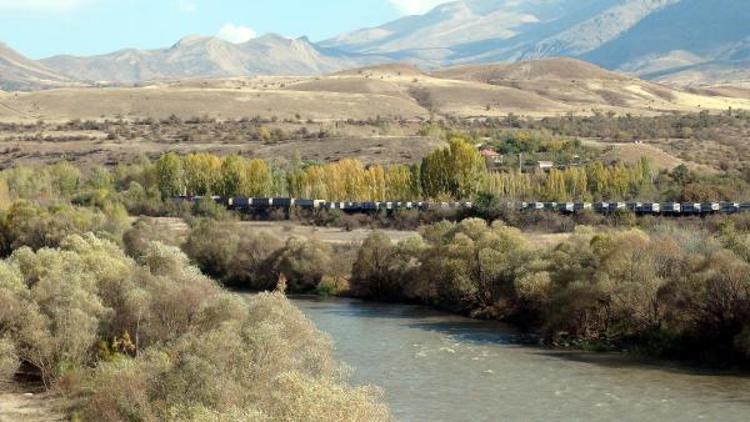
{"points": [[439, 367]]}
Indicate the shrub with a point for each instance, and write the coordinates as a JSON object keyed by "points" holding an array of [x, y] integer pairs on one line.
{"points": [[303, 263], [382, 269], [267, 361], [9, 361]]}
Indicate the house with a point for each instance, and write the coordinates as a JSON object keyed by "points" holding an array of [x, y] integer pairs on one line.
{"points": [[492, 156], [488, 153], [546, 165]]}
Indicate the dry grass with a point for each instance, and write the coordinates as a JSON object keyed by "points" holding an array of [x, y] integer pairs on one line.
{"points": [[548, 87], [285, 230], [161, 102], [29, 407], [632, 153], [394, 143], [330, 235]]}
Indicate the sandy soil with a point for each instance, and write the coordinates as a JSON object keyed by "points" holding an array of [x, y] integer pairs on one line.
{"points": [[332, 235], [28, 407]]}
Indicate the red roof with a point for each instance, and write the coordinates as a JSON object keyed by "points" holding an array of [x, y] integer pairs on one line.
{"points": [[489, 153]]}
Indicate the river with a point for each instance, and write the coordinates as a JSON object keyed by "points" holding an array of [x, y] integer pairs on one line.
{"points": [[440, 367]]}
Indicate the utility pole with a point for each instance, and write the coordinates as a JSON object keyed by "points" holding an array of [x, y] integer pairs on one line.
{"points": [[520, 162]]}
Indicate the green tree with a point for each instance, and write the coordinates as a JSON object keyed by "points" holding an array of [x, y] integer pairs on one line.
{"points": [[170, 175], [233, 176], [258, 178]]}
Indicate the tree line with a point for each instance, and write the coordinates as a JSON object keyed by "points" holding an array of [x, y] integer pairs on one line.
{"points": [[456, 171]]}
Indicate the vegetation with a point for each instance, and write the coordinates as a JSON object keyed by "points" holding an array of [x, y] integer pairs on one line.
{"points": [[619, 282], [663, 289], [129, 338], [672, 293]]}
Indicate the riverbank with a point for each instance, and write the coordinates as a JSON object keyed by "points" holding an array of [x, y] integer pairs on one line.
{"points": [[667, 292], [442, 367]]}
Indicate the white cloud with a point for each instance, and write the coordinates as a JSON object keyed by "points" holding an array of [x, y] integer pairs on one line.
{"points": [[42, 5], [187, 6], [415, 7], [236, 33]]}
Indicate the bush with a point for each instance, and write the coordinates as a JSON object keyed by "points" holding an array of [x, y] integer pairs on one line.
{"points": [[132, 342], [382, 269], [9, 361], [266, 361], [303, 263]]}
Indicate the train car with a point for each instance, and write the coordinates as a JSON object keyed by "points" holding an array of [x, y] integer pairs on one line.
{"points": [[691, 208], [711, 208], [261, 202], [241, 202], [745, 207], [602, 207], [217, 199], [651, 208], [567, 208], [282, 202], [671, 208], [537, 206], [306, 204], [550, 206], [582, 206], [636, 207], [616, 206], [370, 206], [730, 207], [353, 207], [221, 200]]}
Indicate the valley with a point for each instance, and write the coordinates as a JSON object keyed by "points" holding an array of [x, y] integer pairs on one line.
{"points": [[424, 210]]}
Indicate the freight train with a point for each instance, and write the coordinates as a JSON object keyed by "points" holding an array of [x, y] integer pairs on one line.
{"points": [[246, 204]]}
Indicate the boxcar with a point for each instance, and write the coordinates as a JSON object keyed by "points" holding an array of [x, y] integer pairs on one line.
{"points": [[601, 207], [651, 208], [550, 206], [261, 202], [730, 207], [671, 208], [282, 202], [711, 208], [691, 208]]}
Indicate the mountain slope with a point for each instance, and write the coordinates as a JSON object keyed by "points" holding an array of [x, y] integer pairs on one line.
{"points": [[206, 57], [18, 73], [683, 41], [642, 37], [697, 31], [459, 27]]}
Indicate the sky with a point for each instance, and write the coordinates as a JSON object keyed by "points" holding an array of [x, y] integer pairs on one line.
{"points": [[43, 28]]}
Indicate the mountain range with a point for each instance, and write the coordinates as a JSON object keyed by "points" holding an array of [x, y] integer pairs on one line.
{"points": [[692, 42]]}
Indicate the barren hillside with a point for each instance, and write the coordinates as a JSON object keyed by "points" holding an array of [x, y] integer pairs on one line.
{"points": [[17, 73], [536, 88]]}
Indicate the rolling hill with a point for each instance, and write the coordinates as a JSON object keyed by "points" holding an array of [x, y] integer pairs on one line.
{"points": [[535, 88]]}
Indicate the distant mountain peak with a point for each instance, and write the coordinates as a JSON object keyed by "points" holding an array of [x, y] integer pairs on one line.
{"points": [[653, 38], [189, 39]]}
